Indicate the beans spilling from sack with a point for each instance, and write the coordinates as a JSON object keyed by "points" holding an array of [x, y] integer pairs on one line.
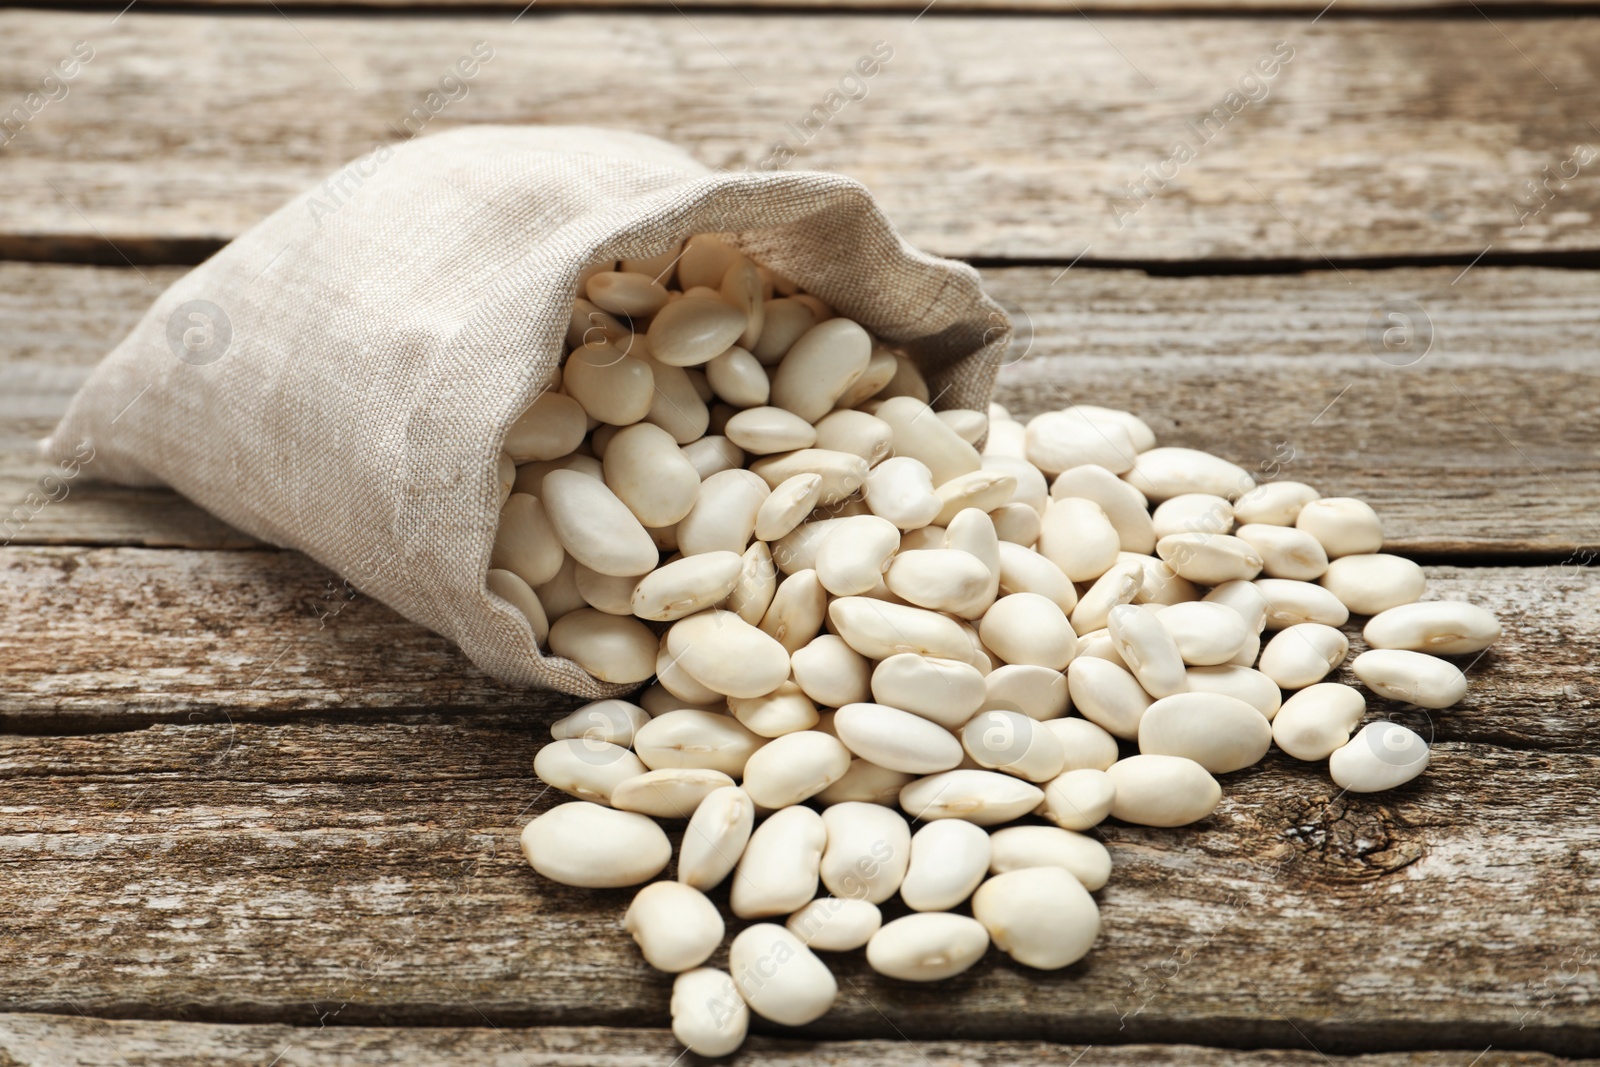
{"points": [[876, 647]]}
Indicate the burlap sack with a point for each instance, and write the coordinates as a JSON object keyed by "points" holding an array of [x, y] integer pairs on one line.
{"points": [[339, 379]]}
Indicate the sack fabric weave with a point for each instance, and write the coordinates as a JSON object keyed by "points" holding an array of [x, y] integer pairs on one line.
{"points": [[339, 379]]}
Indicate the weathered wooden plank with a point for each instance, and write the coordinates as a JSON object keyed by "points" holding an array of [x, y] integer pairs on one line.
{"points": [[1484, 447], [111, 638], [75, 1041], [184, 129], [368, 873], [944, 7]]}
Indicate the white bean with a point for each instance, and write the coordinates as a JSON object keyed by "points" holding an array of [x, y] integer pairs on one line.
{"points": [[918, 433], [674, 925], [1137, 429], [1242, 683], [1443, 627], [778, 872], [684, 586], [1037, 692], [1414, 677], [843, 474], [900, 489], [834, 924], [783, 322], [516, 592], [1029, 628], [1011, 742], [675, 406], [949, 858], [757, 586], [783, 711], [981, 489], [709, 1017], [1156, 790], [553, 426], [713, 454], [945, 691], [1246, 599], [1024, 571], [727, 655], [799, 608], [1382, 756], [1315, 722], [766, 430], [1202, 513], [787, 506], [867, 782], [615, 721], [832, 673], [595, 847], [973, 532], [1060, 440], [1120, 584], [1019, 847], [595, 527], [694, 330], [1084, 745], [852, 558], [526, 543], [1274, 503], [1040, 916], [1148, 650], [878, 629], [738, 378], [788, 769], [1290, 602], [672, 793], [982, 797], [857, 433], [613, 648], [1221, 733], [1285, 551], [1209, 558], [867, 851], [693, 738], [612, 386], [1206, 634], [1107, 695], [1303, 654], [898, 740], [1125, 507], [716, 837], [820, 366], [1163, 473], [938, 579], [723, 517], [779, 977], [1078, 537], [1344, 525], [586, 768], [927, 946], [626, 293], [1079, 799], [1372, 583]]}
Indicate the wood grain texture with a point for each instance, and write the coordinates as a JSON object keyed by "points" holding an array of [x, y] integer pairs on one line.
{"points": [[115, 638], [75, 1041], [1483, 448], [369, 873], [989, 137]]}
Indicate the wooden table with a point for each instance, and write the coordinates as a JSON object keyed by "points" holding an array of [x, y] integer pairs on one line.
{"points": [[249, 820]]}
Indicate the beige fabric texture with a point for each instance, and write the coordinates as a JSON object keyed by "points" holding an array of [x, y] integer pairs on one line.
{"points": [[384, 329]]}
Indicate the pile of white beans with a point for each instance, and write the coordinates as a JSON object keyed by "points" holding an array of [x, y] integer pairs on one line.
{"points": [[850, 611]]}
